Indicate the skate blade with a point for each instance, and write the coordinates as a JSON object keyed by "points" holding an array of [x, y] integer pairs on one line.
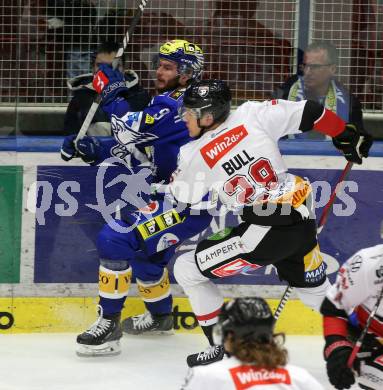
{"points": [[111, 348], [150, 333]]}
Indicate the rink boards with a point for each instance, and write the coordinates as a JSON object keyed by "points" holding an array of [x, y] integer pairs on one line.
{"points": [[48, 259], [74, 314]]}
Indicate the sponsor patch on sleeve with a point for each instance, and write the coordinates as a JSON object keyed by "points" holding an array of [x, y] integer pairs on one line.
{"points": [[176, 95], [159, 224], [149, 120]]}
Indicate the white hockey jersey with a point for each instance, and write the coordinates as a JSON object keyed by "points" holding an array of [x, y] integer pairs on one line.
{"points": [[358, 284], [231, 374], [240, 160]]}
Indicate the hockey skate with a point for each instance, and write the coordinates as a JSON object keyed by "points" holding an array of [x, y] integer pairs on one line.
{"points": [[148, 324], [213, 354], [102, 338]]}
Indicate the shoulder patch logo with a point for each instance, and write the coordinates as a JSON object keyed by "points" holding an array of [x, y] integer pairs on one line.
{"points": [[176, 95], [149, 120]]}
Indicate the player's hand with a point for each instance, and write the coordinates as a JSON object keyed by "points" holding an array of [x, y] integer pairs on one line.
{"points": [[353, 144], [336, 353], [109, 83], [68, 149], [89, 149]]}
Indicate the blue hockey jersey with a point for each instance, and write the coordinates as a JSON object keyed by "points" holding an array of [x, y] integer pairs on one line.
{"points": [[158, 131]]}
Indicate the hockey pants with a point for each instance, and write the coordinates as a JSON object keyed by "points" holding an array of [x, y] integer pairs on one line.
{"points": [[293, 250], [141, 248]]}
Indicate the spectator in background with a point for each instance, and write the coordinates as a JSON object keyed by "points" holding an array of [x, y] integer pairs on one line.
{"points": [[257, 356], [72, 23], [319, 83], [84, 94]]}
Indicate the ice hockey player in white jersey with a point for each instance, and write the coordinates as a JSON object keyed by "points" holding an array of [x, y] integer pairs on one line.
{"points": [[257, 360], [235, 158], [346, 308]]}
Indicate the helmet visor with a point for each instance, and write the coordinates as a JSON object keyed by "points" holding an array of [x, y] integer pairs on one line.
{"points": [[182, 69], [184, 111], [197, 112]]}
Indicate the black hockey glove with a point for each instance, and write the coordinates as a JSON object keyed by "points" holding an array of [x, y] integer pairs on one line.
{"points": [[353, 144], [336, 353]]}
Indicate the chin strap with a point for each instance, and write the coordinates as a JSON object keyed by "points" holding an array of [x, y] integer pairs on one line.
{"points": [[203, 129]]}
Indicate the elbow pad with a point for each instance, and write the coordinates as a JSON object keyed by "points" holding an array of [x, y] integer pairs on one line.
{"points": [[316, 117]]}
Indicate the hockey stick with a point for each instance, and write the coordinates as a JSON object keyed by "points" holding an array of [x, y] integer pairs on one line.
{"points": [[359, 342], [283, 301], [338, 188], [92, 111], [322, 222]]}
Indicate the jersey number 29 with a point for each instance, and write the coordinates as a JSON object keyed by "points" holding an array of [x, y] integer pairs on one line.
{"points": [[260, 173]]}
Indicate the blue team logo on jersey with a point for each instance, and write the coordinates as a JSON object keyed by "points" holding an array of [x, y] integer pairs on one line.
{"points": [[127, 134], [166, 241], [132, 118]]}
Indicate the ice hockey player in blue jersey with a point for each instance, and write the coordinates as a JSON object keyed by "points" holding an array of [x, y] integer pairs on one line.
{"points": [[153, 135]]}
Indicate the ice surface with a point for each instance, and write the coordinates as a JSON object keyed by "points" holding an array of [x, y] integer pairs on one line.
{"points": [[48, 362]]}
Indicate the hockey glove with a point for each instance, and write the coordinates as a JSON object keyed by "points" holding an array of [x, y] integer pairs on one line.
{"points": [[109, 83], [89, 149], [68, 149], [336, 353], [353, 144]]}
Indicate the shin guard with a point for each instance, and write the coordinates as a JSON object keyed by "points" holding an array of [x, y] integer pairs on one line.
{"points": [[155, 291], [114, 284]]}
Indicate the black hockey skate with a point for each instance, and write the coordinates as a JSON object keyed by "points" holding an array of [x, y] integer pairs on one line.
{"points": [[213, 354], [148, 324], [102, 338]]}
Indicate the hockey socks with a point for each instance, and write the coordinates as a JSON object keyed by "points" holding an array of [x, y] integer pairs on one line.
{"points": [[113, 288], [156, 294]]}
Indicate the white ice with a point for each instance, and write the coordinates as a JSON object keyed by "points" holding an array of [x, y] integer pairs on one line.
{"points": [[48, 362]]}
